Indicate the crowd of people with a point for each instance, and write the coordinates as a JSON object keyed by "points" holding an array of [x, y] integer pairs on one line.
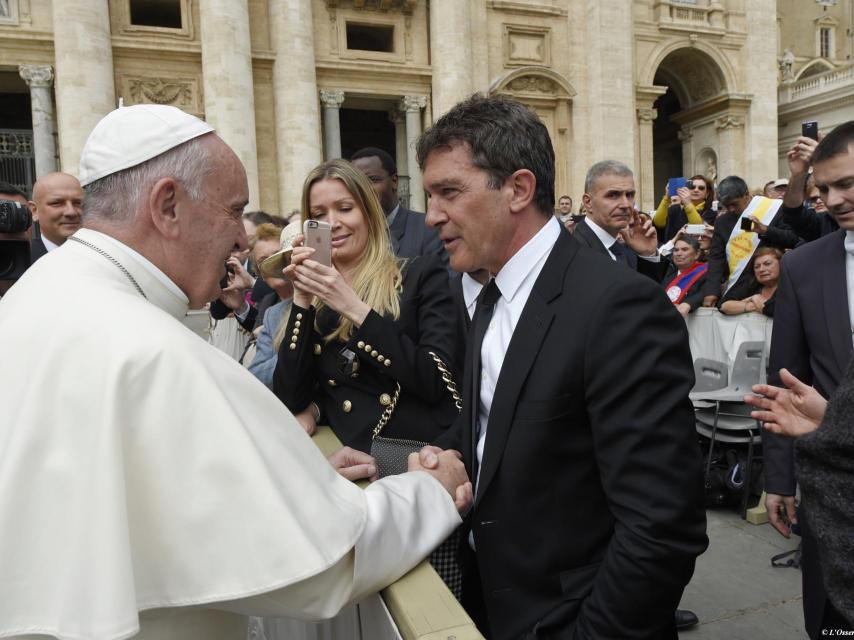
{"points": [[502, 339]]}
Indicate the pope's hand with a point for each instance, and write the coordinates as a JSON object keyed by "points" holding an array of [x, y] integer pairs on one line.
{"points": [[447, 467], [354, 465]]}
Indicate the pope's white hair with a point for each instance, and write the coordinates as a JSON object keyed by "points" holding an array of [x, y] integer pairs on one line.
{"points": [[118, 196]]}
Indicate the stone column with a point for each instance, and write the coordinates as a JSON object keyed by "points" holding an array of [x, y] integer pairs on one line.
{"points": [[332, 99], [398, 118], [85, 90], [644, 167], [610, 64], [450, 53], [412, 106], [760, 79], [295, 92], [731, 146], [227, 79], [686, 137], [40, 79]]}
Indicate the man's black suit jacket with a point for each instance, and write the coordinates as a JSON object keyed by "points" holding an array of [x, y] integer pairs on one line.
{"points": [[778, 234], [589, 508], [411, 237], [37, 249], [812, 339], [585, 236]]}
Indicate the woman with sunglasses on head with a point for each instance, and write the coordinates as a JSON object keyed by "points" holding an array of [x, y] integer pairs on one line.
{"points": [[691, 205], [368, 337]]}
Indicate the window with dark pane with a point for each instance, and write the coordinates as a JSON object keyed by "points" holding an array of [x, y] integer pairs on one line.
{"points": [[370, 37], [156, 13]]}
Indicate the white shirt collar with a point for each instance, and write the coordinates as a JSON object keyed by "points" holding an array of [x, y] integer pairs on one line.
{"points": [[604, 237], [50, 246], [514, 272], [471, 290], [389, 219]]}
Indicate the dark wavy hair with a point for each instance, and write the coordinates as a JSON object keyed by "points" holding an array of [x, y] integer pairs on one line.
{"points": [[503, 136]]}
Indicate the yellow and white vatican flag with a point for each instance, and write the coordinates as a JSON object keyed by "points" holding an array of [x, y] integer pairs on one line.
{"points": [[742, 243]]}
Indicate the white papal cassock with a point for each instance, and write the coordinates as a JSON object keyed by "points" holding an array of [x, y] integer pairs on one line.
{"points": [[150, 485]]}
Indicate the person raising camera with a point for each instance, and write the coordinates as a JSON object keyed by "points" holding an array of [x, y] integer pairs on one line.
{"points": [[692, 204]]}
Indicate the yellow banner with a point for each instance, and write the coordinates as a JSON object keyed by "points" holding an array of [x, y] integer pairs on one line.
{"points": [[741, 243]]}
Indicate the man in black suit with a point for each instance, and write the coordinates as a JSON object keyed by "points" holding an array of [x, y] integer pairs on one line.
{"points": [[410, 235], [57, 207], [812, 339], [608, 228], [576, 422], [734, 196]]}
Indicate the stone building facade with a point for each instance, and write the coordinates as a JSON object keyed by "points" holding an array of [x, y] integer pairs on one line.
{"points": [[672, 87]]}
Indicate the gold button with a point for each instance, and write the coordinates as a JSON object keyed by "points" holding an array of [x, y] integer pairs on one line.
{"points": [[361, 344], [346, 406], [380, 358], [373, 354], [297, 323], [299, 316], [331, 383], [292, 346], [385, 399], [296, 331], [368, 348], [294, 338], [387, 363], [317, 349]]}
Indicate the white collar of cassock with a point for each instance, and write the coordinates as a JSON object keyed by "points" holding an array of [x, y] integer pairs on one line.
{"points": [[158, 288]]}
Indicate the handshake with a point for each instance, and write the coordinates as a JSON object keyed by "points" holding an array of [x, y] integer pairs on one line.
{"points": [[444, 465]]}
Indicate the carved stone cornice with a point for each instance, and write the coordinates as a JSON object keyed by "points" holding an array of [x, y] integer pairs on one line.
{"points": [[333, 98], [647, 114], [36, 75], [404, 6], [413, 103], [160, 91], [729, 122]]}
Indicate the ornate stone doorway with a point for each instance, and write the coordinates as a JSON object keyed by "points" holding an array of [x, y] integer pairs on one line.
{"points": [[689, 119]]}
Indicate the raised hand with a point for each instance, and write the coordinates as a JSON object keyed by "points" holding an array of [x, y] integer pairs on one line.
{"points": [[791, 412], [640, 235], [329, 285], [800, 155]]}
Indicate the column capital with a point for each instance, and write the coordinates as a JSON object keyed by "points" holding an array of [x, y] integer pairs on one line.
{"points": [[396, 115], [36, 75], [332, 98], [685, 134], [413, 103], [647, 114]]}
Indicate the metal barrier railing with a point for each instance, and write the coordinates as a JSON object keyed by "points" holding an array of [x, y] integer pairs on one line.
{"points": [[420, 604]]}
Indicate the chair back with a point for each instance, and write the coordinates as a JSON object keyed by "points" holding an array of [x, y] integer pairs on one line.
{"points": [[747, 367], [709, 375]]}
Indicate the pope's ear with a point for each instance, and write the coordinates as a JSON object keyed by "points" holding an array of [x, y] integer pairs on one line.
{"points": [[164, 206]]}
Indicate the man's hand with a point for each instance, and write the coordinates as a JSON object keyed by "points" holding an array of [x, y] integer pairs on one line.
{"points": [[447, 467], [684, 309], [640, 236], [710, 301], [800, 155], [781, 512], [354, 465], [791, 412], [758, 227], [233, 296]]}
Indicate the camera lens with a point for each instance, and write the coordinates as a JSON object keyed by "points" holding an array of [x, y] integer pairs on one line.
{"points": [[14, 217]]}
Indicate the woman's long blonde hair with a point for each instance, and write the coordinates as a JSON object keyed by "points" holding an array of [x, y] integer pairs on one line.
{"points": [[377, 279]]}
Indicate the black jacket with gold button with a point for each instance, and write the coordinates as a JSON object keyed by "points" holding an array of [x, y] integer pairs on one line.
{"points": [[353, 382]]}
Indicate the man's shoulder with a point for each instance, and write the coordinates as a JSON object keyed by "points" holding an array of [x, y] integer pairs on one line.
{"points": [[810, 255]]}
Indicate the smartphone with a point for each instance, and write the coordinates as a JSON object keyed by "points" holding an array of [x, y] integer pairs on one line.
{"points": [[695, 229], [318, 236], [675, 183], [746, 224], [228, 270], [809, 129]]}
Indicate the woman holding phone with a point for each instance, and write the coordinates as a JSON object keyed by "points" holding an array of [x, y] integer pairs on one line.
{"points": [[692, 204], [371, 337]]}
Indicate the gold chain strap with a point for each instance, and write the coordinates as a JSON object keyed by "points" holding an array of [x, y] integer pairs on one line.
{"points": [[448, 379], [386, 415]]}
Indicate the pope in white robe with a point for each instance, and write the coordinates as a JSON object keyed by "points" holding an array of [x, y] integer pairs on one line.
{"points": [[151, 487]]}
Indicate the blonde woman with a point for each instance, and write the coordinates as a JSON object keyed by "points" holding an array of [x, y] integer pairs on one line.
{"points": [[360, 333]]}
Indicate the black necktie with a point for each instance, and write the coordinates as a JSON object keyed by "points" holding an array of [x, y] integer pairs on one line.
{"points": [[619, 252], [482, 314]]}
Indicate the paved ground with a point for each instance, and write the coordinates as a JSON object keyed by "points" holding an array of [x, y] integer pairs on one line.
{"points": [[736, 592]]}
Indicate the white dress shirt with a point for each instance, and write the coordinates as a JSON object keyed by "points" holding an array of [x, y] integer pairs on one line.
{"points": [[48, 245], [608, 240], [471, 290], [515, 282]]}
